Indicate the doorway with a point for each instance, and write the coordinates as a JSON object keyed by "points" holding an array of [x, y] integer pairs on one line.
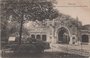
{"points": [[63, 36]]}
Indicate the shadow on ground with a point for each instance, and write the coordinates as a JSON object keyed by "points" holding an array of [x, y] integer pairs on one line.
{"points": [[41, 55]]}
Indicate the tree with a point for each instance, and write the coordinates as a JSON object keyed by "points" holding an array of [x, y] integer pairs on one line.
{"points": [[31, 9], [22, 10]]}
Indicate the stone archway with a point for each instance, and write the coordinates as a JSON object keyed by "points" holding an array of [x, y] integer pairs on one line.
{"points": [[63, 36]]}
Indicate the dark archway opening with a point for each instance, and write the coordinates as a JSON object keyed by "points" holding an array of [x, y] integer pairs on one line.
{"points": [[63, 36], [85, 38]]}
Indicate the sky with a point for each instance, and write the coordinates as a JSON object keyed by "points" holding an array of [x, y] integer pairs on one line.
{"points": [[75, 8]]}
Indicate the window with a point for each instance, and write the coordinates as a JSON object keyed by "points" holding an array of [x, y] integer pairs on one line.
{"points": [[44, 37], [38, 37], [33, 36], [85, 38]]}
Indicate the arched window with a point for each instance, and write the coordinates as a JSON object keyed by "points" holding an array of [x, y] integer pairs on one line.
{"points": [[33, 36], [38, 37]]}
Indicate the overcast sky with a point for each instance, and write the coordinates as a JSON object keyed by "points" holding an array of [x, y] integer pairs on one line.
{"points": [[74, 8]]}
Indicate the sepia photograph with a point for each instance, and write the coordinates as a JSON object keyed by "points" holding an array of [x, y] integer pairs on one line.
{"points": [[44, 28]]}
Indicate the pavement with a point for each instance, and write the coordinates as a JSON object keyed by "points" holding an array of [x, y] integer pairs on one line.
{"points": [[83, 50]]}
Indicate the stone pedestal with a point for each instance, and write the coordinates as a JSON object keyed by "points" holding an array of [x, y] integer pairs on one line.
{"points": [[71, 42], [53, 40]]}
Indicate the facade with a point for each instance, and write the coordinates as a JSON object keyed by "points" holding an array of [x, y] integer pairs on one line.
{"points": [[62, 30], [85, 34]]}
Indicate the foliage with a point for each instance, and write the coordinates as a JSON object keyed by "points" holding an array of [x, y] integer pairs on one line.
{"points": [[32, 10], [13, 11]]}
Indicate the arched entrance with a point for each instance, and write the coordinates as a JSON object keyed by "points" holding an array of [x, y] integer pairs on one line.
{"points": [[63, 36], [85, 38]]}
